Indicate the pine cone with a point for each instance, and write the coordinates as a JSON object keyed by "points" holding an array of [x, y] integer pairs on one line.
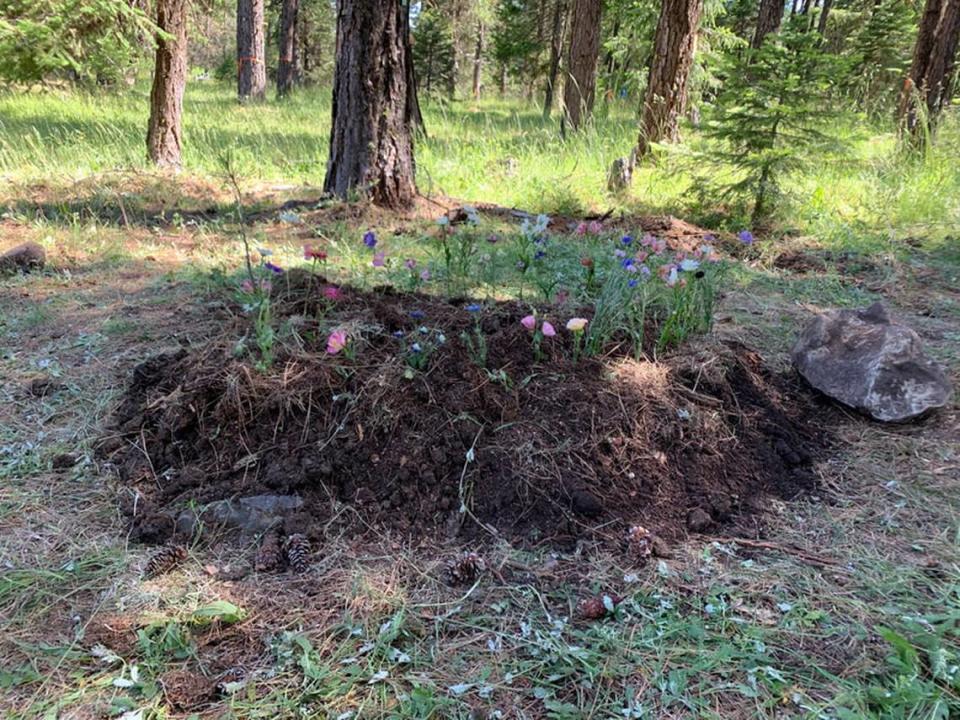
{"points": [[297, 548], [466, 569], [640, 542], [597, 607], [165, 560], [269, 555]]}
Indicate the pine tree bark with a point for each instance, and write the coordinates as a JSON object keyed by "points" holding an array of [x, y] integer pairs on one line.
{"points": [[287, 66], [478, 59], [926, 89], [371, 142], [673, 49], [580, 87], [556, 52], [824, 15], [164, 138], [768, 21], [251, 69]]}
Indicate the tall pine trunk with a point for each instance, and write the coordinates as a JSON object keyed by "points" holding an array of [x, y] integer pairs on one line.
{"points": [[287, 66], [251, 69], [926, 89], [556, 51], [478, 60], [580, 87], [371, 142], [673, 48], [164, 140], [824, 15], [768, 21]]}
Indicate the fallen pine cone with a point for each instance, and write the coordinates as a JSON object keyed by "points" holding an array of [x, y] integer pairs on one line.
{"points": [[640, 542], [165, 560], [269, 555], [465, 569], [597, 607], [297, 548]]}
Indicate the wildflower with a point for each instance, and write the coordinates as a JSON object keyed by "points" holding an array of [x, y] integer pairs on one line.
{"points": [[474, 307], [645, 271], [336, 342], [547, 329], [646, 240], [275, 269], [264, 252], [423, 330], [246, 286], [398, 333], [409, 263], [417, 314], [627, 263], [379, 259], [689, 265], [632, 282], [493, 239], [539, 255], [313, 253], [671, 278], [425, 275], [746, 237], [529, 322], [709, 238], [620, 253], [581, 229], [587, 262], [626, 239], [331, 292], [595, 227], [441, 338], [576, 324], [642, 256], [369, 239], [416, 347]]}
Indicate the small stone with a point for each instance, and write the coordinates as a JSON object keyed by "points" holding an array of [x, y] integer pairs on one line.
{"points": [[583, 503], [866, 361], [660, 548], [25, 257], [698, 520], [63, 461]]}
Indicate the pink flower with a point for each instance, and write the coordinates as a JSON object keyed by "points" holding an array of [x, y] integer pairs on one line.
{"points": [[595, 227], [529, 322], [378, 259], [576, 324], [331, 292], [642, 256], [246, 286], [336, 342], [548, 329], [425, 275], [313, 253], [561, 297], [409, 263], [581, 229]]}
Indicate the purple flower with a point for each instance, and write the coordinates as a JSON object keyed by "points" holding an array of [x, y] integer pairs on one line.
{"points": [[548, 329], [529, 322], [539, 254], [276, 270], [417, 314], [645, 271], [627, 263], [709, 238], [409, 263], [620, 253], [398, 333], [632, 282], [626, 239], [369, 239], [379, 259], [474, 307], [746, 237], [425, 275]]}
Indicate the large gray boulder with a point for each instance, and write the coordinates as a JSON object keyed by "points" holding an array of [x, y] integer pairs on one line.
{"points": [[864, 360]]}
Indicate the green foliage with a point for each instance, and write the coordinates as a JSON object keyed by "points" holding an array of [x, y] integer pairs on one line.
{"points": [[773, 115], [516, 44], [433, 52], [87, 40], [881, 52]]}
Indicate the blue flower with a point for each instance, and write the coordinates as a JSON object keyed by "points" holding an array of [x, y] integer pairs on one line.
{"points": [[539, 254], [626, 239], [474, 307], [689, 265], [746, 237], [632, 283], [627, 263], [424, 330], [276, 270], [398, 333], [417, 314], [369, 239], [416, 347], [644, 270]]}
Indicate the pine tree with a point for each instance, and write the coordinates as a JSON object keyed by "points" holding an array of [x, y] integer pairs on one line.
{"points": [[433, 52]]}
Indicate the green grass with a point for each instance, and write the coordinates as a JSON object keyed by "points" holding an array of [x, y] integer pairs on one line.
{"points": [[870, 196]]}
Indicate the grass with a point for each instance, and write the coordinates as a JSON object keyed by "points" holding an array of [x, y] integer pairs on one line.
{"points": [[716, 631]]}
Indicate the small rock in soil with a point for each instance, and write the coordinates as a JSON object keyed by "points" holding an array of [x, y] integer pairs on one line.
{"points": [[63, 461], [866, 361], [698, 520], [585, 504], [26, 257]]}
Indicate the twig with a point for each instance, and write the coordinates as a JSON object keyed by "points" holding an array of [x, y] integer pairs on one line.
{"points": [[766, 545]]}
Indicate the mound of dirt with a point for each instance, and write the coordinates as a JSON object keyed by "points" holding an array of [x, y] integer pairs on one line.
{"points": [[543, 451]]}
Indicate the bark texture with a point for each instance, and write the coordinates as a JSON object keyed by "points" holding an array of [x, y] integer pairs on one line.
{"points": [[556, 52], [164, 139], [251, 69], [371, 143], [927, 87], [824, 15], [580, 87], [288, 67], [768, 21], [674, 46]]}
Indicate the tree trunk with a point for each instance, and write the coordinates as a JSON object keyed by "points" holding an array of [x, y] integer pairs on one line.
{"points": [[478, 61], [824, 14], [164, 140], [251, 70], [673, 48], [768, 21], [413, 97], [371, 143], [556, 51], [933, 63], [502, 79], [287, 67], [580, 87]]}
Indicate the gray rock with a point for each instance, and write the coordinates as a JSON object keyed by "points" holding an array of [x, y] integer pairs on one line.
{"points": [[26, 257], [866, 361], [252, 514]]}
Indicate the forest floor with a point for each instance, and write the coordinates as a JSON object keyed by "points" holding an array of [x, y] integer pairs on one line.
{"points": [[843, 602]]}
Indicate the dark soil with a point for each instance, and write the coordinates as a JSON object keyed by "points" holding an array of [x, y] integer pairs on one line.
{"points": [[559, 451]]}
